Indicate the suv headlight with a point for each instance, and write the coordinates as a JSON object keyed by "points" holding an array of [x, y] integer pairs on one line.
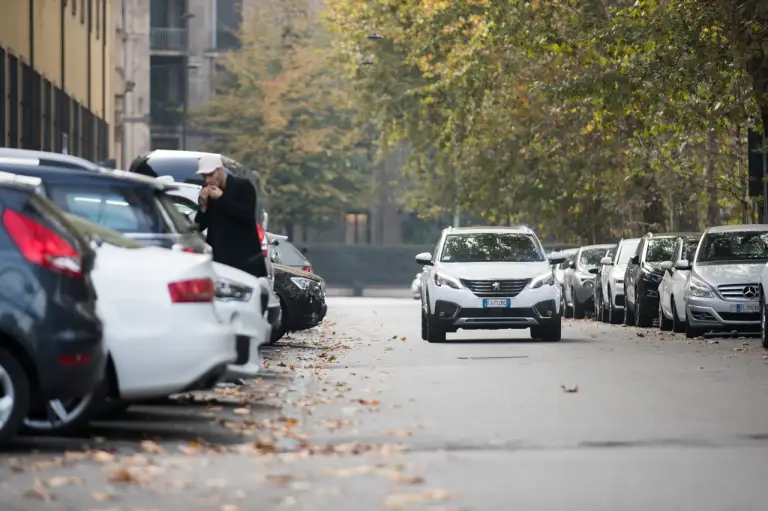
{"points": [[301, 282], [230, 290], [443, 279], [699, 288], [548, 279]]}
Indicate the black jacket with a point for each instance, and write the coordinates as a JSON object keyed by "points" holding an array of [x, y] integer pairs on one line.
{"points": [[231, 224]]}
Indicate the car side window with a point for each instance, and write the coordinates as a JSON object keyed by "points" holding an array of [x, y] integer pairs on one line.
{"points": [[640, 248]]}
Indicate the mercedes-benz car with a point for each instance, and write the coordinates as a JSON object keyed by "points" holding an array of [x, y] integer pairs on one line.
{"points": [[489, 278], [672, 288], [724, 285]]}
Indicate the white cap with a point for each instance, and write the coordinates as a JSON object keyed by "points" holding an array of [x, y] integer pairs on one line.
{"points": [[207, 163]]}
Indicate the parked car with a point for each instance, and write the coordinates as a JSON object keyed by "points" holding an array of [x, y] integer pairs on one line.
{"points": [[302, 299], [560, 269], [130, 204], [724, 284], [643, 276], [611, 282], [580, 279], [489, 278], [416, 286], [51, 338], [602, 276], [162, 327], [672, 314], [284, 252]]}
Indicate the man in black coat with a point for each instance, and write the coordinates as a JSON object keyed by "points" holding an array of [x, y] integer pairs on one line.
{"points": [[228, 211]]}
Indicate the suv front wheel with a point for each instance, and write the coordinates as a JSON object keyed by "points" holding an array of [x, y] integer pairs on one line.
{"points": [[429, 332], [548, 333]]}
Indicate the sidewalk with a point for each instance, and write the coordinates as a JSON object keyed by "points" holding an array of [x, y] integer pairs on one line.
{"points": [[373, 292]]}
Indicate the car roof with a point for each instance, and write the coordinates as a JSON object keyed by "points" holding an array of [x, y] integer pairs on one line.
{"points": [[521, 229], [48, 158], [604, 246], [64, 174], [672, 234], [738, 228]]}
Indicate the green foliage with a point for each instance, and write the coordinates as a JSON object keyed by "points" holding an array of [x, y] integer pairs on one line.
{"points": [[280, 108], [589, 118]]}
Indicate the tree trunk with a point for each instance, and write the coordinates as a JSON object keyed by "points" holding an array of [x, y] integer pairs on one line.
{"points": [[713, 208], [289, 228]]}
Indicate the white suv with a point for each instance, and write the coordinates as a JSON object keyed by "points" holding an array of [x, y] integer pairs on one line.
{"points": [[489, 278]]}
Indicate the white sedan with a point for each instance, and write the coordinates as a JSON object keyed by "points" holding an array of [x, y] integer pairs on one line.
{"points": [[163, 330], [672, 314]]}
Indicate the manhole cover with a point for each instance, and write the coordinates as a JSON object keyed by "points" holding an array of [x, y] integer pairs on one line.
{"points": [[491, 358]]}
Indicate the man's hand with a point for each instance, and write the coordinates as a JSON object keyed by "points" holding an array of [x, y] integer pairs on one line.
{"points": [[214, 192], [202, 199]]}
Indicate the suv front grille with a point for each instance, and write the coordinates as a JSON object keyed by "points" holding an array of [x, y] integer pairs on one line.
{"points": [[500, 288], [740, 291]]}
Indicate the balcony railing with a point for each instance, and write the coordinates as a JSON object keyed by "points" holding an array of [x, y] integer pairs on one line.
{"points": [[168, 39]]}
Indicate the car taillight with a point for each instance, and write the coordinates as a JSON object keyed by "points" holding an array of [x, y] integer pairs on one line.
{"points": [[262, 239], [307, 269], [40, 245], [192, 291]]}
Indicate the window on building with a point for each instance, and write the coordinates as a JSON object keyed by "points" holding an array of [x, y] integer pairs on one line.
{"points": [[47, 115], [2, 98], [76, 130], [357, 229]]}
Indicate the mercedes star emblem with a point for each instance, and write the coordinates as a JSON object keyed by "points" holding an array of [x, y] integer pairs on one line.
{"points": [[496, 286], [749, 291]]}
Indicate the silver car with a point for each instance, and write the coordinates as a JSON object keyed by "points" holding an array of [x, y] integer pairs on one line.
{"points": [[723, 287], [416, 286], [609, 291], [560, 269], [580, 279]]}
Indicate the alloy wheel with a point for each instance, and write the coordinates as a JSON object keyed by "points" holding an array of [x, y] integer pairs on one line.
{"points": [[57, 414], [7, 396]]}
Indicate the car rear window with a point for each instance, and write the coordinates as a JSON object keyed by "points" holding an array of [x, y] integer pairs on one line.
{"points": [[126, 209], [176, 208], [289, 255]]}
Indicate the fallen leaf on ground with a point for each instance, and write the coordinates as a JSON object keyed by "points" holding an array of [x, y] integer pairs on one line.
{"points": [[241, 411], [573, 389], [100, 496], [399, 501], [399, 433], [412, 480], [640, 334], [229, 507], [402, 338], [151, 447], [121, 475], [372, 402], [39, 492], [58, 481], [278, 479], [103, 457]]}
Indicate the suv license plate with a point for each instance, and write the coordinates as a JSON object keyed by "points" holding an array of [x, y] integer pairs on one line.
{"points": [[496, 302], [745, 307]]}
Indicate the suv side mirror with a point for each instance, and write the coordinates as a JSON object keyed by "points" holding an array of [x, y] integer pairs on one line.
{"points": [[424, 259], [683, 264], [556, 258], [572, 265], [666, 265], [606, 261], [635, 259]]}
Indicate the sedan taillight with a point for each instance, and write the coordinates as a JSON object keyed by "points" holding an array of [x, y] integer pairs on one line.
{"points": [[192, 291]]}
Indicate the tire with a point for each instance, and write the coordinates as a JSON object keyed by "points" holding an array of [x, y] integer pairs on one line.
{"points": [[536, 333], [112, 408], [614, 314], [578, 310], [678, 326], [664, 324], [691, 332], [552, 332], [434, 334], [15, 395], [79, 412], [641, 317], [763, 322], [629, 314], [424, 326], [282, 329], [598, 308]]}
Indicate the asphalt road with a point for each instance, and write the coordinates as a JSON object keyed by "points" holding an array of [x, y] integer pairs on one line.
{"points": [[361, 414]]}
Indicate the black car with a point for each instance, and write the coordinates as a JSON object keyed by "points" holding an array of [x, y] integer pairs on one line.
{"points": [[133, 205], [51, 343], [284, 252], [302, 299], [644, 274]]}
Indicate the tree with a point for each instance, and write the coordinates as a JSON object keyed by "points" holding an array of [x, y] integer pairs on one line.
{"points": [[282, 110]]}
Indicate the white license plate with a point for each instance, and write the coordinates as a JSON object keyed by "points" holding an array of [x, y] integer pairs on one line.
{"points": [[496, 302], [745, 307]]}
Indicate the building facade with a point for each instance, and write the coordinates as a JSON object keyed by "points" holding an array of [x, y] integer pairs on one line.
{"points": [[57, 76]]}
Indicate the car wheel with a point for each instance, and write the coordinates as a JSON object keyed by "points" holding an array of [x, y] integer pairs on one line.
{"points": [[691, 332], [279, 332], [424, 326], [536, 333], [59, 416], [763, 323], [641, 317], [434, 334], [14, 395], [578, 310], [678, 326], [664, 324], [629, 314], [598, 308], [552, 332]]}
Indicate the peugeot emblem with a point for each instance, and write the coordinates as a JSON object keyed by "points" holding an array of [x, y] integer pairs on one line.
{"points": [[749, 291], [496, 286]]}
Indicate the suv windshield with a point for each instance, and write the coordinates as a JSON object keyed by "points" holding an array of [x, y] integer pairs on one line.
{"points": [[590, 257], [628, 249], [289, 255], [491, 248], [689, 249], [734, 246], [660, 250]]}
